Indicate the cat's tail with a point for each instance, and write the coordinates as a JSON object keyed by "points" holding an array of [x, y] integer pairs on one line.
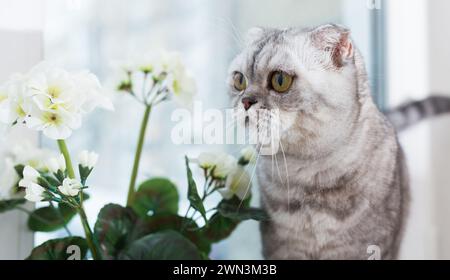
{"points": [[410, 113]]}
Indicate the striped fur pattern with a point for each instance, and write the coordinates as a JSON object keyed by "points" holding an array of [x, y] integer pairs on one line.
{"points": [[410, 113], [338, 184]]}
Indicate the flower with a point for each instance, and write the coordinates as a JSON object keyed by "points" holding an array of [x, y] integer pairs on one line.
{"points": [[18, 154], [238, 183], [56, 164], [157, 76], [25, 153], [206, 160], [70, 187], [13, 109], [88, 159], [30, 176], [34, 193], [8, 180], [220, 163], [51, 99], [248, 155]]}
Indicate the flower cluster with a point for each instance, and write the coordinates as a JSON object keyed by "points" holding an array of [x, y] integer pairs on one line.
{"points": [[14, 158], [158, 76], [50, 99], [55, 184], [228, 175]]}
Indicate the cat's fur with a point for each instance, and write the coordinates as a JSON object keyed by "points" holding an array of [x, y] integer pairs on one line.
{"points": [[338, 183]]}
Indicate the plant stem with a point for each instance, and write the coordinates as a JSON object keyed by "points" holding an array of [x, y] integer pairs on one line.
{"points": [[89, 235], [61, 218], [137, 157], [87, 229], [63, 148]]}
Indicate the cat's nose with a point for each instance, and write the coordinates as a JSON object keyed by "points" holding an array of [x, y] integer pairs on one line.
{"points": [[248, 102]]}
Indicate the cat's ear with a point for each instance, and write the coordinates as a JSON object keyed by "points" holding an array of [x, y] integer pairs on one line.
{"points": [[253, 35], [336, 40]]}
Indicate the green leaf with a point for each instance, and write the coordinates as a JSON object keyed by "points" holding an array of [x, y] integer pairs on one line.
{"points": [[57, 249], [166, 245], [219, 228], [51, 180], [7, 205], [49, 219], [113, 229], [158, 223], [194, 198], [158, 195], [84, 173], [222, 224], [19, 170], [118, 227], [241, 213]]}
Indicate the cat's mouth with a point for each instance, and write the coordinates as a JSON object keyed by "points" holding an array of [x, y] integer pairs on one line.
{"points": [[247, 121]]}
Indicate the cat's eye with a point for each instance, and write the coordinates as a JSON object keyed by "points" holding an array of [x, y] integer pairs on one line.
{"points": [[281, 81], [240, 82]]}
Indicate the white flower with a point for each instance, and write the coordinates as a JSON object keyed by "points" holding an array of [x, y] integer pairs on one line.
{"points": [[206, 160], [95, 96], [221, 163], [54, 124], [180, 81], [30, 176], [88, 159], [13, 107], [13, 154], [8, 180], [56, 164], [249, 154], [238, 183], [165, 76], [70, 187], [34, 193], [4, 104], [51, 100], [25, 153]]}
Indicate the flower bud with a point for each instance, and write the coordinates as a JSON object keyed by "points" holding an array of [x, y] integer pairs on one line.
{"points": [[238, 183], [88, 159], [248, 155], [30, 175], [70, 187], [34, 193], [57, 164]]}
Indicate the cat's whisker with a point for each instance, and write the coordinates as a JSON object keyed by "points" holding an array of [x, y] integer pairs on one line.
{"points": [[251, 177], [287, 176]]}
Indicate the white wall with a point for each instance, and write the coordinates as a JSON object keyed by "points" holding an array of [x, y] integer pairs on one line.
{"points": [[418, 65], [439, 73], [20, 48]]}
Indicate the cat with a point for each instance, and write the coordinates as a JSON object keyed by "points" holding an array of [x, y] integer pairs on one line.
{"points": [[337, 185]]}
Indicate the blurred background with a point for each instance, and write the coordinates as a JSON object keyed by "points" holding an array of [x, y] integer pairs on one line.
{"points": [[405, 44]]}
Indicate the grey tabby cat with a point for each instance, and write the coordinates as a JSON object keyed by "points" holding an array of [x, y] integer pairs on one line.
{"points": [[339, 183]]}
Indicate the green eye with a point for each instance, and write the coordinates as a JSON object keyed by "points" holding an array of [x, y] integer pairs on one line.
{"points": [[281, 81], [240, 82]]}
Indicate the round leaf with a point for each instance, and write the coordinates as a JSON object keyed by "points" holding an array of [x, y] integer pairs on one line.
{"points": [[49, 219], [57, 249], [157, 195], [158, 223], [166, 245], [219, 228], [113, 228]]}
